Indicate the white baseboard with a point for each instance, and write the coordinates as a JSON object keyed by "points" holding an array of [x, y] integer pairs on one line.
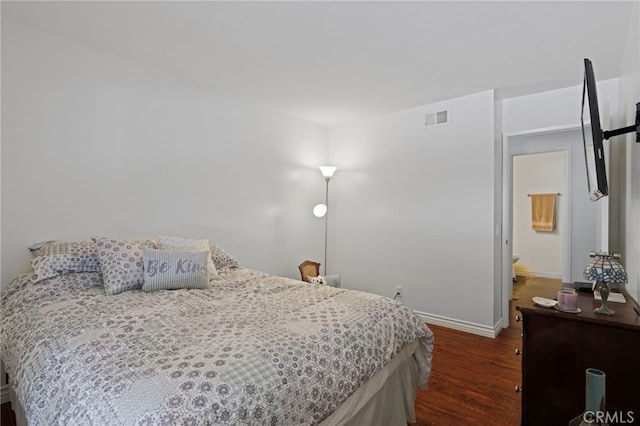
{"points": [[4, 394], [468, 327]]}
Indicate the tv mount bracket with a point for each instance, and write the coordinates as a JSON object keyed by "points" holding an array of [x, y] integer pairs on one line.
{"points": [[621, 131]]}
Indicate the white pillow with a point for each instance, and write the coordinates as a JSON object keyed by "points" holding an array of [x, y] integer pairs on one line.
{"points": [[188, 244], [332, 280]]}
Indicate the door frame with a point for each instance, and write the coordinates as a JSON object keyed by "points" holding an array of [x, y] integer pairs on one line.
{"points": [[507, 210]]}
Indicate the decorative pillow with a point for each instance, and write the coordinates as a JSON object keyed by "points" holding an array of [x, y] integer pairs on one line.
{"points": [[332, 280], [55, 258], [121, 263], [188, 244], [221, 258], [169, 270]]}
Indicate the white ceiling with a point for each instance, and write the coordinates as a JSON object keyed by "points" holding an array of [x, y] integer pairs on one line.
{"points": [[335, 62]]}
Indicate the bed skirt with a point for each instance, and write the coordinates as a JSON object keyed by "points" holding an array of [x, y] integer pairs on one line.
{"points": [[21, 420], [388, 398]]}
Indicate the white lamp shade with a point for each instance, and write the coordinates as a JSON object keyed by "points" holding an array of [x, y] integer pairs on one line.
{"points": [[328, 171], [320, 210]]}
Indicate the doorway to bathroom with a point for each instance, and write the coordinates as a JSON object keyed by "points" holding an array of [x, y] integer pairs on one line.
{"points": [[582, 225], [538, 253]]}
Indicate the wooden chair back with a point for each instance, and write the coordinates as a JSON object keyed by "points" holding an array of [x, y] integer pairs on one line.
{"points": [[309, 268]]}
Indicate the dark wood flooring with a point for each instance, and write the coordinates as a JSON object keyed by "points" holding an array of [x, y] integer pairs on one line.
{"points": [[472, 381], [473, 378]]}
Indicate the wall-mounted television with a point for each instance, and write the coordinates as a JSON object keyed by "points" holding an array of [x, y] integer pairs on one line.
{"points": [[595, 162]]}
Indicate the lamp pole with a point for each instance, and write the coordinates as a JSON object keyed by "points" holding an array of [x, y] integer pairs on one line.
{"points": [[326, 221], [327, 172]]}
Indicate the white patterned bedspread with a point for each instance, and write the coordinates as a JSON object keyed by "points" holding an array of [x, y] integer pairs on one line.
{"points": [[252, 349]]}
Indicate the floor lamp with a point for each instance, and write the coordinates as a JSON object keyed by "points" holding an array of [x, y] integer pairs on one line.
{"points": [[322, 210]]}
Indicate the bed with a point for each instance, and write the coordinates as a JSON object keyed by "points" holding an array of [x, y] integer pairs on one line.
{"points": [[249, 348]]}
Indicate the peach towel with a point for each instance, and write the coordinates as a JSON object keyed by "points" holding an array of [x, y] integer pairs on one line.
{"points": [[543, 212]]}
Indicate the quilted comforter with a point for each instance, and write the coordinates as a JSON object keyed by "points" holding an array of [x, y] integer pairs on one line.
{"points": [[251, 349]]}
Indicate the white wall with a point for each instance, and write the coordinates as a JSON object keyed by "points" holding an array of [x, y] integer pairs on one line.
{"points": [[415, 207], [532, 174], [500, 309], [630, 155], [557, 108], [93, 144]]}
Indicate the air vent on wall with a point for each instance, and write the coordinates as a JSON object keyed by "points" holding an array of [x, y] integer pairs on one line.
{"points": [[436, 118]]}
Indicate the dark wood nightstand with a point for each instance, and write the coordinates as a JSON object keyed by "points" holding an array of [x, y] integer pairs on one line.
{"points": [[557, 349]]}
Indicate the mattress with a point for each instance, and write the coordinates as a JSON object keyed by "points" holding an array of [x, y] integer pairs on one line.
{"points": [[252, 348]]}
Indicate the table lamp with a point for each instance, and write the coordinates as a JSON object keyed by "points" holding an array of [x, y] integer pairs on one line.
{"points": [[605, 269]]}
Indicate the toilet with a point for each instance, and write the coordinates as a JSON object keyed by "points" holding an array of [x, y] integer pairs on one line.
{"points": [[516, 257]]}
